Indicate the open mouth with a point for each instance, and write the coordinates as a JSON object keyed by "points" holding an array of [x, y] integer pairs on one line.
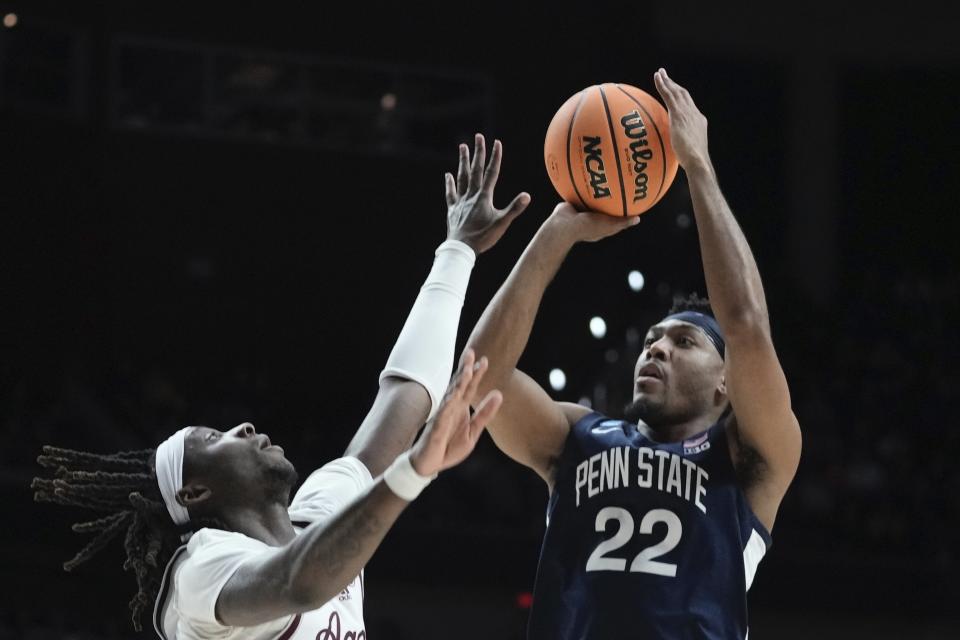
{"points": [[650, 371]]}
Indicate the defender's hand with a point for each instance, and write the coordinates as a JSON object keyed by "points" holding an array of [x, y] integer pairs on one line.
{"points": [[587, 226], [471, 216], [452, 435], [688, 127]]}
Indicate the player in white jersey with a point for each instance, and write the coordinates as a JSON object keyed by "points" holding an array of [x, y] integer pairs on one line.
{"points": [[217, 547]]}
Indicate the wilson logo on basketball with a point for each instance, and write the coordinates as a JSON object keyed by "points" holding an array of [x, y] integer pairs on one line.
{"points": [[594, 165], [608, 149], [634, 129]]}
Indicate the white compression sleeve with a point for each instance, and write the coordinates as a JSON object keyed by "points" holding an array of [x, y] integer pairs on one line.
{"points": [[424, 351]]}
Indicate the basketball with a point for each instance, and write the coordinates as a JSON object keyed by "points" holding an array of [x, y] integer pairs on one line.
{"points": [[608, 149]]}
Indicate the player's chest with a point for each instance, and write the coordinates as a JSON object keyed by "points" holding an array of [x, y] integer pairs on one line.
{"points": [[635, 509], [637, 474], [339, 619]]}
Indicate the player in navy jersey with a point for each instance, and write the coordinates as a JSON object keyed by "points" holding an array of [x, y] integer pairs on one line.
{"points": [[655, 524]]}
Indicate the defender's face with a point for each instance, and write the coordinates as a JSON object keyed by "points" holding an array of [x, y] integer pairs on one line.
{"points": [[678, 371], [235, 462]]}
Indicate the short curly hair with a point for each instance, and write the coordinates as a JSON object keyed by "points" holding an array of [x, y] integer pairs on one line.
{"points": [[691, 302]]}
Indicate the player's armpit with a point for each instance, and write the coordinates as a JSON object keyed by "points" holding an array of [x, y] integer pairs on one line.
{"points": [[765, 438], [531, 427]]}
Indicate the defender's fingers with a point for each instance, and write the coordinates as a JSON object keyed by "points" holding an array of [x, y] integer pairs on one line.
{"points": [[493, 168], [464, 373], [516, 206], [450, 187], [486, 411], [466, 353], [463, 170], [479, 158], [479, 369]]}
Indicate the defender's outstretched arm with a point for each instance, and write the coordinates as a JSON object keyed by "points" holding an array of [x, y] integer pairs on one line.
{"points": [[419, 367]]}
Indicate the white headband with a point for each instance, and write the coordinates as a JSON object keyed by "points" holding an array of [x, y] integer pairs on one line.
{"points": [[170, 476]]}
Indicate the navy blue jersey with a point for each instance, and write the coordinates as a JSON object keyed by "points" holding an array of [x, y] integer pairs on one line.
{"points": [[645, 539]]}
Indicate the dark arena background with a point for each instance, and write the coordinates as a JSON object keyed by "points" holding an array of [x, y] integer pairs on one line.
{"points": [[213, 214]]}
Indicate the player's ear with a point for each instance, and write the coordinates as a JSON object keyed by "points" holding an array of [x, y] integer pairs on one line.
{"points": [[193, 495], [721, 391]]}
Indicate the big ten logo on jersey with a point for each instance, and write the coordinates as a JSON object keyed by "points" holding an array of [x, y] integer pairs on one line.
{"points": [[696, 445], [643, 468], [593, 162]]}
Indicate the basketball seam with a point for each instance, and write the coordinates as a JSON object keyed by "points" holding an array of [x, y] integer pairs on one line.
{"points": [[616, 151], [663, 151], [573, 118]]}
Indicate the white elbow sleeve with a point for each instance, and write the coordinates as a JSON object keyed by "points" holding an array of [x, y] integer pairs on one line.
{"points": [[424, 351]]}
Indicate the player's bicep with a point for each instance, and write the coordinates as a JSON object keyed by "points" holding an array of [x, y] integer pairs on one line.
{"points": [[765, 422], [531, 427]]}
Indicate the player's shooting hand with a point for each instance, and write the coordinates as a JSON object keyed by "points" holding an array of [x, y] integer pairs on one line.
{"points": [[453, 433], [688, 127], [471, 216], [587, 226]]}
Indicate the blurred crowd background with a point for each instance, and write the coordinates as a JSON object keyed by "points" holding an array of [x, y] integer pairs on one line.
{"points": [[217, 215]]}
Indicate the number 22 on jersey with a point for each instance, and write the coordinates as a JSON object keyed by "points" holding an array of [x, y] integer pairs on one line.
{"points": [[644, 561]]}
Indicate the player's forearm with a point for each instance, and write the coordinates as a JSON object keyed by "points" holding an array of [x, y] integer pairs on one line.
{"points": [[419, 366], [733, 280], [503, 330], [325, 558], [424, 350]]}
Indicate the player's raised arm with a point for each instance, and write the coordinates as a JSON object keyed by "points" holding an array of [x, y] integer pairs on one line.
{"points": [[531, 427], [765, 429], [418, 369], [321, 561]]}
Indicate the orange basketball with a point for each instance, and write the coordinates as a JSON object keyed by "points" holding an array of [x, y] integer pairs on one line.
{"points": [[608, 149]]}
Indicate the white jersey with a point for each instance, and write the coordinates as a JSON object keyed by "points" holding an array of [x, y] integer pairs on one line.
{"points": [[197, 572]]}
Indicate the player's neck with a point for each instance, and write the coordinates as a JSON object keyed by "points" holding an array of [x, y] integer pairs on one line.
{"points": [[675, 432], [269, 523]]}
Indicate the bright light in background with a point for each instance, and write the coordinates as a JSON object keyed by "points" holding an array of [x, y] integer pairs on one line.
{"points": [[635, 280], [598, 327], [10, 20], [388, 102], [558, 379]]}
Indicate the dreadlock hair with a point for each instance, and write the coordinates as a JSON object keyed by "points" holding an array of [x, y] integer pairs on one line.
{"points": [[122, 488], [692, 302]]}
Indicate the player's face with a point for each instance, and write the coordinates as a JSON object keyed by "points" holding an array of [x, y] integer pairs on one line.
{"points": [[677, 374], [236, 464]]}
